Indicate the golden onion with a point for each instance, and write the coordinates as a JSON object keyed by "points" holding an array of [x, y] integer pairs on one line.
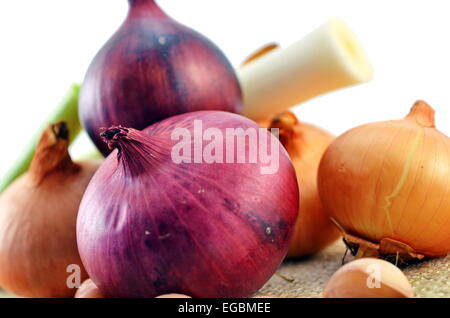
{"points": [[387, 186]]}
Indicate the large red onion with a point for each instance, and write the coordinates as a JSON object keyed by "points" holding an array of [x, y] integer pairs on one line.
{"points": [[153, 68], [148, 226]]}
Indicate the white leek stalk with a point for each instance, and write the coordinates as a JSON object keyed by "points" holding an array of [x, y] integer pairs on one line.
{"points": [[327, 59]]}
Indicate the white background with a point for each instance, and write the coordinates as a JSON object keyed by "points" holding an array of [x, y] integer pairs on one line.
{"points": [[45, 45]]}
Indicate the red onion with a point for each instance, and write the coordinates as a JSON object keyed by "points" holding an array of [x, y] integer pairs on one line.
{"points": [[153, 68], [148, 226]]}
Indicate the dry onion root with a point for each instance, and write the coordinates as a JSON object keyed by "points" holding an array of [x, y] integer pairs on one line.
{"points": [[387, 186], [368, 278], [306, 144], [37, 220]]}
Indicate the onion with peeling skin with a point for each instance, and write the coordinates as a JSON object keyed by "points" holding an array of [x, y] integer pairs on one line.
{"points": [[38, 220], [306, 144], [387, 186], [148, 226]]}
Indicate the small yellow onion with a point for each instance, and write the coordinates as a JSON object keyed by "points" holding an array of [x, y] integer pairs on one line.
{"points": [[306, 144], [173, 296], [368, 278], [88, 289], [387, 186]]}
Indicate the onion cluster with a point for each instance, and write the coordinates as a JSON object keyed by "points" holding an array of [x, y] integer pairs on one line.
{"points": [[174, 212]]}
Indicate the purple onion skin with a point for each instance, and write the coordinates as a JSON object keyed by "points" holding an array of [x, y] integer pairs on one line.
{"points": [[148, 226], [153, 68]]}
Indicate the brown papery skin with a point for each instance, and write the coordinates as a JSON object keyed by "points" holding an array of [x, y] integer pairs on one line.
{"points": [[37, 220], [388, 184], [306, 144]]}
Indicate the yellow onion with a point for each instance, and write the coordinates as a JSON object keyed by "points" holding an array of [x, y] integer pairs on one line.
{"points": [[368, 278], [306, 144], [387, 186], [173, 296], [88, 290], [263, 50], [38, 211]]}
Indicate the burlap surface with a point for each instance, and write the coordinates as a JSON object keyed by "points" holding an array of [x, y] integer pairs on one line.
{"points": [[307, 278]]}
